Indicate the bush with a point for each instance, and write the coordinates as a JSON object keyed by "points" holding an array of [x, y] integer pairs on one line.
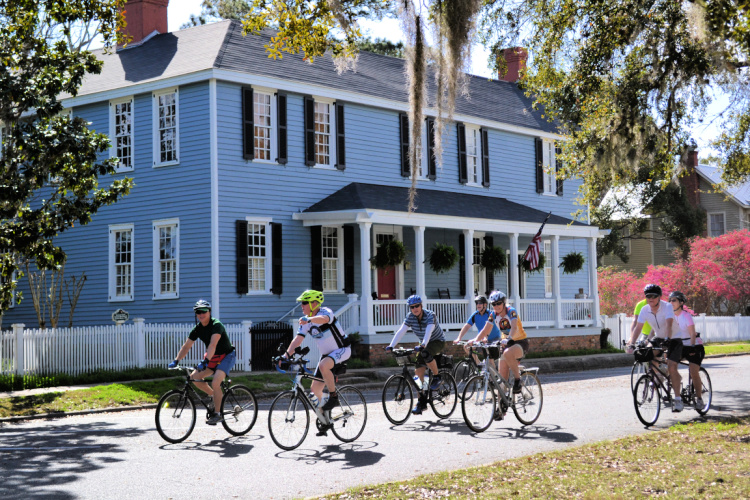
{"points": [[32, 381], [358, 363]]}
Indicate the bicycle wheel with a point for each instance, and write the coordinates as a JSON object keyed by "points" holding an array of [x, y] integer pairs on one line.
{"points": [[445, 397], [706, 392], [288, 420], [239, 410], [478, 403], [398, 399], [639, 369], [647, 400], [175, 416], [350, 417], [528, 404], [463, 371]]}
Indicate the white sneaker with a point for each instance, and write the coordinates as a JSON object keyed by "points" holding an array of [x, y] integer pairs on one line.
{"points": [[677, 406], [699, 405]]}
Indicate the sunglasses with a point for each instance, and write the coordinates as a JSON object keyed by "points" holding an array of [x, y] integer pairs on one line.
{"points": [[201, 311], [674, 300], [652, 296], [415, 306], [304, 302], [497, 303]]}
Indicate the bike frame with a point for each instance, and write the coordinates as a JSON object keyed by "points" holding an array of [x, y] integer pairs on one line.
{"points": [[493, 376], [406, 353], [303, 373], [189, 389]]}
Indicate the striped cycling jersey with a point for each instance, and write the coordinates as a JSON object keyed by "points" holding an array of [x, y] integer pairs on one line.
{"points": [[419, 327], [328, 336]]}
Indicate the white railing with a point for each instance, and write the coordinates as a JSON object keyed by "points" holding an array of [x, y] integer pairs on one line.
{"points": [[537, 312], [348, 315], [451, 313], [711, 328], [388, 315], [576, 312]]}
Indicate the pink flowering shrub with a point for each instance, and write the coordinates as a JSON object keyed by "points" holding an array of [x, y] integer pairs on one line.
{"points": [[619, 291]]}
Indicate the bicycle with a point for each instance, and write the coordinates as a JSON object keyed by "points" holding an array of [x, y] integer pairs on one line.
{"points": [[398, 391], [479, 403], [464, 370], [639, 367], [176, 410], [289, 417], [648, 397]]}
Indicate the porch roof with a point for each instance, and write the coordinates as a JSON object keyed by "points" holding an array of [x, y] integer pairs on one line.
{"points": [[359, 202]]}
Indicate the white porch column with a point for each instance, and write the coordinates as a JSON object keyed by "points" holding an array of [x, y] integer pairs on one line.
{"points": [[514, 292], [593, 281], [366, 275], [469, 265], [556, 280], [419, 257]]}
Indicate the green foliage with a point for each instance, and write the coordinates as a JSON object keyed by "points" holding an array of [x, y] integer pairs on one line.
{"points": [[572, 263], [390, 253], [493, 259], [31, 381], [443, 258], [358, 363], [382, 46], [526, 265], [49, 166]]}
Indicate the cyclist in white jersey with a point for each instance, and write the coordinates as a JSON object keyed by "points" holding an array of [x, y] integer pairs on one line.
{"points": [[320, 323]]}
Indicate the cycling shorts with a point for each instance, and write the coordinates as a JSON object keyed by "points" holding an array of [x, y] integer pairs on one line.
{"points": [[223, 362], [338, 356], [694, 354], [524, 343], [675, 351], [429, 352]]}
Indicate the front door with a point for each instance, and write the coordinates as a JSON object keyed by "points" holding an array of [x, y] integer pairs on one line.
{"points": [[386, 284]]}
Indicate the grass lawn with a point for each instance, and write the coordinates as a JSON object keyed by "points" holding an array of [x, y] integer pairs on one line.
{"points": [[734, 347], [706, 460]]}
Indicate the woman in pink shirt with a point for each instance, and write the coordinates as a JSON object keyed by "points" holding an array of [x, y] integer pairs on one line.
{"points": [[692, 345]]}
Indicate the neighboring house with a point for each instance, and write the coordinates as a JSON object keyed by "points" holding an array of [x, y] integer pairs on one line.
{"points": [[258, 178], [649, 248]]}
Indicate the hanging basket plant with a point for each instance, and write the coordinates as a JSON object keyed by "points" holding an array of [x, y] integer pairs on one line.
{"points": [[572, 263], [389, 254], [443, 258], [538, 269], [493, 259]]}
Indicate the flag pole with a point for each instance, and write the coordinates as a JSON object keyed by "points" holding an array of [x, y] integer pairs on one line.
{"points": [[537, 233]]}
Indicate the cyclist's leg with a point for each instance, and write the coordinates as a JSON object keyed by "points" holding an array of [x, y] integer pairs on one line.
{"points": [[509, 361], [432, 349], [674, 354], [325, 366], [202, 386], [694, 356], [222, 371]]}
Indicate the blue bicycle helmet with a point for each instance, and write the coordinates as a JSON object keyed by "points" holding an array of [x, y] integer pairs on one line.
{"points": [[414, 300], [497, 296]]}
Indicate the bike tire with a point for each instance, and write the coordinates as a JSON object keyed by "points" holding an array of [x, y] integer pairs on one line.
{"points": [[398, 399], [647, 400], [479, 403], [239, 410], [463, 371], [528, 404], [350, 417], [175, 416], [288, 420], [444, 399], [639, 369], [706, 393]]}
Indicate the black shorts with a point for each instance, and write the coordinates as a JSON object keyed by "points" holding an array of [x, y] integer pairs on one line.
{"points": [[524, 343], [694, 354], [674, 351]]}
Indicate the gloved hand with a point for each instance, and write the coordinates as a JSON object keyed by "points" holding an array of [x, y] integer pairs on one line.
{"points": [[388, 348], [418, 347], [202, 365], [173, 364], [630, 349], [504, 342]]}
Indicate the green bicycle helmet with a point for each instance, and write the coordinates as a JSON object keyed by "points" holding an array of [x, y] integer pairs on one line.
{"points": [[311, 295]]}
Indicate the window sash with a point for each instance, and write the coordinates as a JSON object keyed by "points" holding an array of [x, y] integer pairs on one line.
{"points": [[168, 260], [262, 125], [717, 224], [548, 156], [257, 260], [330, 237], [123, 133], [123, 263], [473, 164], [548, 268], [167, 127], [322, 133]]}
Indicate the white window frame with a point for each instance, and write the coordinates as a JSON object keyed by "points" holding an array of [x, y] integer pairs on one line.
{"points": [[155, 126], [670, 244], [113, 132], [332, 132], [339, 260], [548, 165], [266, 259], [272, 153], [112, 288], [547, 249], [424, 158], [156, 231], [480, 277], [473, 135], [723, 222]]}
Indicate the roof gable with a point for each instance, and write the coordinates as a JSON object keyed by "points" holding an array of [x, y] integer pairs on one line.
{"points": [[740, 192]]}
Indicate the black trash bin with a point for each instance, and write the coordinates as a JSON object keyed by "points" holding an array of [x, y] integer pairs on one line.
{"points": [[603, 344], [265, 338]]}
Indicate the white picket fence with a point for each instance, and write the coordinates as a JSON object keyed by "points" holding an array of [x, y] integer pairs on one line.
{"points": [[711, 328]]}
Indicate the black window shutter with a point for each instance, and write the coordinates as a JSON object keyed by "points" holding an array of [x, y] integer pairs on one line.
{"points": [[539, 144], [558, 167], [281, 130], [485, 159], [462, 173], [248, 151], [309, 131], [403, 120], [242, 277], [489, 242], [316, 256], [340, 137], [277, 277], [461, 265], [431, 161], [348, 259]]}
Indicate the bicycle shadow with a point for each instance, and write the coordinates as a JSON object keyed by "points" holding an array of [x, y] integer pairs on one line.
{"points": [[543, 432], [452, 424], [230, 447], [349, 455]]}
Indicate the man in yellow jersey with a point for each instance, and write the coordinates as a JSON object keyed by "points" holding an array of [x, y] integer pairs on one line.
{"points": [[646, 328]]}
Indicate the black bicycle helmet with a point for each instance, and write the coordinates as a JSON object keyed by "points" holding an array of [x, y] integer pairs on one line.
{"points": [[678, 295], [202, 305], [480, 299], [652, 289]]}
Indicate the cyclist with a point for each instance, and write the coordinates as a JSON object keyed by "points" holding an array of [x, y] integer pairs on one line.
{"points": [[218, 359], [660, 316], [479, 318], [334, 345], [646, 328], [690, 343], [424, 324], [514, 337]]}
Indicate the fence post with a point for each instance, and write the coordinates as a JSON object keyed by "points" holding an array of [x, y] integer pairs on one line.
{"points": [[739, 325], [621, 318], [355, 311], [703, 328], [247, 345], [140, 341], [18, 333]]}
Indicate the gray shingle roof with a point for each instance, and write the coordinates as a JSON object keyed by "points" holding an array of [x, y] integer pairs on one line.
{"points": [[741, 192], [359, 196], [222, 46]]}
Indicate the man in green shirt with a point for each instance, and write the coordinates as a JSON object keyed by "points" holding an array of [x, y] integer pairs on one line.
{"points": [[646, 328]]}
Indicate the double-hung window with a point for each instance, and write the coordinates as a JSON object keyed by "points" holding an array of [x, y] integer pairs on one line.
{"points": [[716, 226], [258, 252], [474, 155], [166, 258], [332, 254], [547, 268], [264, 138], [166, 124], [548, 159], [479, 274], [121, 282], [121, 132], [325, 133]]}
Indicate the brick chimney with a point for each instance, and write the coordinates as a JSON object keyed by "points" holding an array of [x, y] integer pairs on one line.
{"points": [[144, 17], [515, 58], [691, 181]]}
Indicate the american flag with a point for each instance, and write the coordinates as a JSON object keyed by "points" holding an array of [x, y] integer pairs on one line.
{"points": [[532, 253]]}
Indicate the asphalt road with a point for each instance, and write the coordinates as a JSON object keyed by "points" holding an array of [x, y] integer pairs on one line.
{"points": [[120, 455]]}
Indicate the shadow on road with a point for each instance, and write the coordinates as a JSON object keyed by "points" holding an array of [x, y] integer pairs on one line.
{"points": [[230, 447], [543, 432], [36, 461], [349, 455]]}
